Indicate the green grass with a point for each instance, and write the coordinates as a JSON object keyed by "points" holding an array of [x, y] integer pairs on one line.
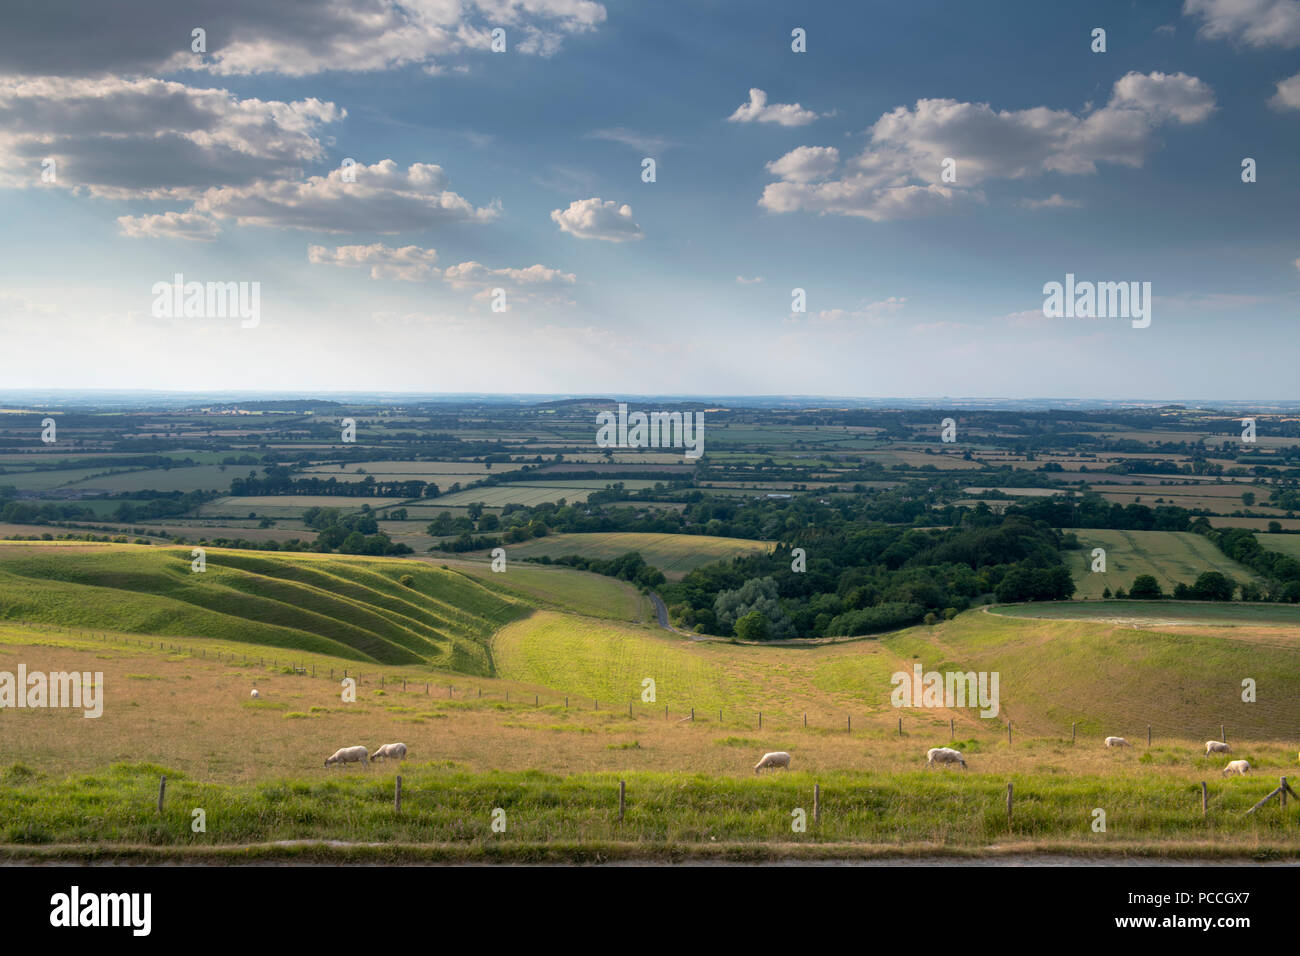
{"points": [[591, 595], [668, 552], [444, 805], [1171, 557], [1169, 612], [348, 607]]}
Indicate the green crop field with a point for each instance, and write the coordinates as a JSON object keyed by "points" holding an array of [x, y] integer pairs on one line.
{"points": [[1171, 557], [671, 553]]}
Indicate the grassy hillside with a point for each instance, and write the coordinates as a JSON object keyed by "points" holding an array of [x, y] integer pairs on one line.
{"points": [[1169, 556], [674, 554], [354, 608], [1110, 679]]}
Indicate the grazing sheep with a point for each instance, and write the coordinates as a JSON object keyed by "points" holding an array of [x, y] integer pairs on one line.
{"points": [[348, 755], [1216, 747], [1116, 742], [944, 755], [254, 694], [778, 758], [1237, 766], [394, 751]]}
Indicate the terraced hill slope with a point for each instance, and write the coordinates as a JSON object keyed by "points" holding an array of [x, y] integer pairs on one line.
{"points": [[367, 609]]}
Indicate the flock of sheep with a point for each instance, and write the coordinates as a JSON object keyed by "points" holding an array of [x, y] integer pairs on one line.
{"points": [[777, 758], [942, 755], [359, 754]]}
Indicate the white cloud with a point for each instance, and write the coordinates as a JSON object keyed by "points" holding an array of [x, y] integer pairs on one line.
{"points": [[169, 225], [758, 110], [643, 142], [126, 138], [899, 174], [1257, 23], [416, 264], [383, 199], [873, 313], [594, 219], [806, 164], [1287, 96], [741, 280], [1054, 201], [408, 264], [292, 37]]}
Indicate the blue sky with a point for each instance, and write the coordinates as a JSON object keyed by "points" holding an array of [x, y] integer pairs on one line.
{"points": [[225, 167]]}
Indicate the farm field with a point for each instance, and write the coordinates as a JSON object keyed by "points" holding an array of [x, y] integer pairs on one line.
{"points": [[670, 553], [535, 492], [554, 767], [1171, 557]]}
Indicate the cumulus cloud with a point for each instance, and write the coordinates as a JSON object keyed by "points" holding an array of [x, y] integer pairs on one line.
{"points": [[594, 219], [408, 264], [759, 110], [169, 225], [1287, 96], [741, 280], [124, 138], [806, 164], [899, 174], [289, 37], [383, 198], [417, 264], [1257, 23]]}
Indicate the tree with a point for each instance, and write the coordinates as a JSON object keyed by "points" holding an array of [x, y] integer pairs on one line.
{"points": [[1213, 586], [1248, 498], [753, 627], [1145, 588]]}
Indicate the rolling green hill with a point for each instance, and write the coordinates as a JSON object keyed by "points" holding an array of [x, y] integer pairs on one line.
{"points": [[369, 609]]}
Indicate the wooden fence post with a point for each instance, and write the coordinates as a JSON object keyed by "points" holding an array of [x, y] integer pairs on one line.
{"points": [[1074, 731], [805, 718], [1223, 734], [1148, 735], [1205, 800], [952, 728], [760, 720], [1282, 795], [1008, 731], [397, 795], [817, 802], [1010, 791], [622, 799], [162, 791]]}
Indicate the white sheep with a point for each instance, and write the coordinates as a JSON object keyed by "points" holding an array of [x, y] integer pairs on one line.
{"points": [[1237, 766], [778, 758], [1216, 747], [348, 755], [393, 751], [1116, 742], [944, 755], [254, 694]]}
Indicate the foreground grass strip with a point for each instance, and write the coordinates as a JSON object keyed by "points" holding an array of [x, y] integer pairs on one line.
{"points": [[665, 811]]}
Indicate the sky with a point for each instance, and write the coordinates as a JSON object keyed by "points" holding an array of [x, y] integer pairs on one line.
{"points": [[420, 212]]}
